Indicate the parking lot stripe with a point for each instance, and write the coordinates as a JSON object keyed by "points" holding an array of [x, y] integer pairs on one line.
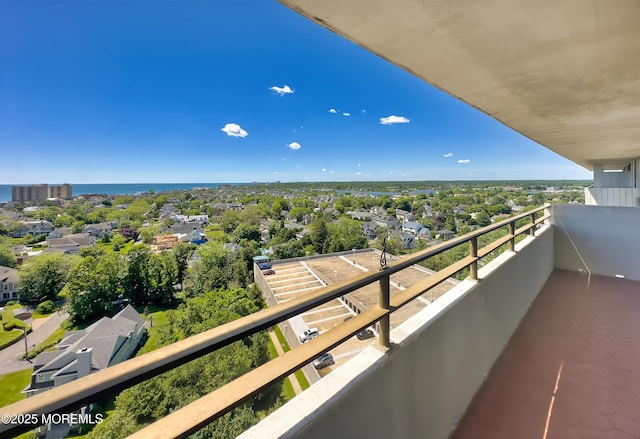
{"points": [[321, 310], [328, 318], [290, 285]]}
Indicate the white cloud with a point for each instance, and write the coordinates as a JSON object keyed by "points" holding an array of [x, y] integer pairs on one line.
{"points": [[359, 164], [281, 90], [449, 154], [234, 130], [464, 161], [346, 114], [275, 172], [333, 110], [358, 173], [294, 146], [331, 172], [324, 169], [393, 119], [364, 111]]}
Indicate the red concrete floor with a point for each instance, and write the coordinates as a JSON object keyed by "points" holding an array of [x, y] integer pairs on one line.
{"points": [[570, 371]]}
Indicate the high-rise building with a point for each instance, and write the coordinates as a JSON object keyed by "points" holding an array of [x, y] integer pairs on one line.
{"points": [[40, 192], [63, 191], [30, 193]]}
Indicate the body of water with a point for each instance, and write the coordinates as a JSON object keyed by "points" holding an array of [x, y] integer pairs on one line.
{"points": [[122, 188]]}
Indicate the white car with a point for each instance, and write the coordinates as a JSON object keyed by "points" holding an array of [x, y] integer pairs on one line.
{"points": [[308, 334]]}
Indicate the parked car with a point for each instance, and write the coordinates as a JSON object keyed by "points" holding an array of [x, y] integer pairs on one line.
{"points": [[308, 334], [365, 334], [323, 360], [268, 272]]}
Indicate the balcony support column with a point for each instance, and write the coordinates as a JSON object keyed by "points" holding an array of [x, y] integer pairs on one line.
{"points": [[383, 302], [473, 252]]}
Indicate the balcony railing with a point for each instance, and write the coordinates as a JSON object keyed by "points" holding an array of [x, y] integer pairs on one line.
{"points": [[191, 418]]}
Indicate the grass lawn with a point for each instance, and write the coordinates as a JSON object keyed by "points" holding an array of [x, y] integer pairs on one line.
{"points": [[158, 318], [50, 341], [273, 353], [37, 315], [7, 337], [302, 379], [281, 339], [287, 390], [12, 384]]}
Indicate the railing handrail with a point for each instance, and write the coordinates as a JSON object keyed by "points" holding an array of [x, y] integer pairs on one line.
{"points": [[80, 392]]}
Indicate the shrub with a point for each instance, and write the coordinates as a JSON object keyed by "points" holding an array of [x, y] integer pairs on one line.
{"points": [[46, 307]]}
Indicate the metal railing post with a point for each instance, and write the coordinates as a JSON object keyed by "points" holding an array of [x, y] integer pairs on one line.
{"points": [[383, 302], [512, 232], [473, 252], [532, 230]]}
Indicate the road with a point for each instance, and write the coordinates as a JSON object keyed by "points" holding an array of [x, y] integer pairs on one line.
{"points": [[10, 357]]}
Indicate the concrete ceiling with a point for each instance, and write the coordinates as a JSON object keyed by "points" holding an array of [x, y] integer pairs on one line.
{"points": [[563, 73]]}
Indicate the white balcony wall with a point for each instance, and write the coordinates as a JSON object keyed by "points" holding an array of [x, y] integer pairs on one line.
{"points": [[599, 240], [612, 196], [421, 387]]}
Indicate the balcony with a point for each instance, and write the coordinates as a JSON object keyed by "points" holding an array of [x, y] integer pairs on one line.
{"points": [[477, 353]]}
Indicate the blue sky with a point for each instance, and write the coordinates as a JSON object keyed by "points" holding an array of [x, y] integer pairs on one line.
{"points": [[228, 91]]}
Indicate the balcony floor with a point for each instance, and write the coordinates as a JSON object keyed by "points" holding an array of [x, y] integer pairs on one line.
{"points": [[572, 368]]}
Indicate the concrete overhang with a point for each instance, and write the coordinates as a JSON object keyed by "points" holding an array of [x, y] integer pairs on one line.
{"points": [[565, 74]]}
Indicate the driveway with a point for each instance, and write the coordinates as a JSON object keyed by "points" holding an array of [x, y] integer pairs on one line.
{"points": [[10, 357]]}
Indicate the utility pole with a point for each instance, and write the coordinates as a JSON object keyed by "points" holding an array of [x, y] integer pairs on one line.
{"points": [[26, 348]]}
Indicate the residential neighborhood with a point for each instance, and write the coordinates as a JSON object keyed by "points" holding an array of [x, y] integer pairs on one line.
{"points": [[103, 261]]}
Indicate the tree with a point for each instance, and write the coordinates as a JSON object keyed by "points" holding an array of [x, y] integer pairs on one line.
{"points": [[319, 234], [7, 258], [346, 235], [136, 279], [211, 272], [93, 285], [291, 249], [157, 397], [246, 231], [42, 277], [450, 223], [181, 253], [483, 219]]}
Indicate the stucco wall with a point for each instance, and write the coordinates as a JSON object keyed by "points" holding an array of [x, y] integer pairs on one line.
{"points": [[597, 239]]}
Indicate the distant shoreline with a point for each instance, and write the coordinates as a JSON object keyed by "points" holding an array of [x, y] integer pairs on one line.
{"points": [[355, 186], [123, 188]]}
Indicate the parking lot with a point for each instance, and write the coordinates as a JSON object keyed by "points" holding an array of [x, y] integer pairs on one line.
{"points": [[297, 278]]}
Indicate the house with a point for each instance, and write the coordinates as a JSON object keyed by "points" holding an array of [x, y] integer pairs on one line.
{"points": [[411, 227], [359, 214], [407, 240], [99, 229], [403, 215], [72, 243], [232, 246], [107, 342], [34, 228], [369, 229], [8, 283], [184, 219], [386, 221], [444, 234], [197, 237], [424, 233], [428, 212]]}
